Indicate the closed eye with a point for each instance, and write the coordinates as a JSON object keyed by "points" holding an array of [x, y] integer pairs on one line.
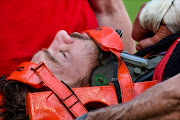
{"points": [[63, 53]]}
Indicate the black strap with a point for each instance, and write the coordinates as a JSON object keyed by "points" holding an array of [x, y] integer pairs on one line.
{"points": [[173, 65], [161, 46]]}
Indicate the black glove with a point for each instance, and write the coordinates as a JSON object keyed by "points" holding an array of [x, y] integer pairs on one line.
{"points": [[82, 117]]}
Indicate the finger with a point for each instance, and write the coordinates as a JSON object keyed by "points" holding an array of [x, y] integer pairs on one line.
{"points": [[162, 32], [144, 43]]}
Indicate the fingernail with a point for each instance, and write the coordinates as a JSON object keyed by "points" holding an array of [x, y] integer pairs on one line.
{"points": [[138, 48]]}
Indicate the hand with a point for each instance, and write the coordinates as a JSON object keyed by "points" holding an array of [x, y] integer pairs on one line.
{"points": [[145, 37], [162, 32]]}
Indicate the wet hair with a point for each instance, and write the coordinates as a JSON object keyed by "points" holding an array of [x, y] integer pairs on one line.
{"points": [[13, 100]]}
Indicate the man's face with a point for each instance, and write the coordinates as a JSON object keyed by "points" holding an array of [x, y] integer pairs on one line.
{"points": [[71, 58]]}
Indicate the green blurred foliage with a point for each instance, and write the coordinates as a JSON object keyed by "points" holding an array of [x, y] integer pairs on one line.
{"points": [[133, 6]]}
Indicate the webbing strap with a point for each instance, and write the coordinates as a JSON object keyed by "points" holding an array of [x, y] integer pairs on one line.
{"points": [[125, 82], [108, 40], [69, 99]]}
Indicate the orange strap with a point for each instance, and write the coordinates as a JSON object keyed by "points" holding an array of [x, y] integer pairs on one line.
{"points": [[108, 40], [69, 99], [25, 75], [125, 82]]}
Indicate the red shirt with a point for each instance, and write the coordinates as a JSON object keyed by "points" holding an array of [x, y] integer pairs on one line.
{"points": [[27, 26]]}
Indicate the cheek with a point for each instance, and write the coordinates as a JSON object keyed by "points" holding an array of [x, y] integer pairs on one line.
{"points": [[90, 52], [85, 59]]}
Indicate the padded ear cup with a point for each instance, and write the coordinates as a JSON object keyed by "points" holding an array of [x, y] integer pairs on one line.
{"points": [[105, 74], [102, 75]]}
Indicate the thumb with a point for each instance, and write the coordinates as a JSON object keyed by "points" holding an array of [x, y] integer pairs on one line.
{"points": [[144, 43]]}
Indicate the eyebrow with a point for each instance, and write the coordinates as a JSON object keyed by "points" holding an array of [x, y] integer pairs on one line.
{"points": [[79, 36], [49, 56]]}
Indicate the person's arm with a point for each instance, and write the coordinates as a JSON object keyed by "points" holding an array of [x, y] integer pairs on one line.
{"points": [[160, 102], [112, 13]]}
